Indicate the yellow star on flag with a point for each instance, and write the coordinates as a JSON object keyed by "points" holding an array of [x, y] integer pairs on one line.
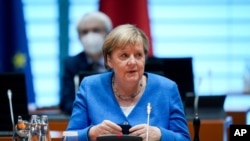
{"points": [[19, 60]]}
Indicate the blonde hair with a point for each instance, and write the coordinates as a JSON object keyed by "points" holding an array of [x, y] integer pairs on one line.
{"points": [[122, 36]]}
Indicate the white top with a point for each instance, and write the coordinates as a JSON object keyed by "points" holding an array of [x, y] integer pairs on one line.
{"points": [[127, 110]]}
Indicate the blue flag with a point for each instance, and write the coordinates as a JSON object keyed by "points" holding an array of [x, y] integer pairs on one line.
{"points": [[14, 53]]}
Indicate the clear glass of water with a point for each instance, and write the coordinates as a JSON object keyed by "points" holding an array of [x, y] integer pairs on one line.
{"points": [[70, 136]]}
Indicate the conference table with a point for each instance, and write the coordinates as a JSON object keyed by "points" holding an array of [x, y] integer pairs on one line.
{"points": [[210, 129], [54, 136]]}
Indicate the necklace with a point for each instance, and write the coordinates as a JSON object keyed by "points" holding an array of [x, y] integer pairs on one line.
{"points": [[126, 98]]}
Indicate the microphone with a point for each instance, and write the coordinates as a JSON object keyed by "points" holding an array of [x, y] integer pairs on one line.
{"points": [[148, 112], [196, 120], [196, 99], [196, 104], [11, 108], [76, 82]]}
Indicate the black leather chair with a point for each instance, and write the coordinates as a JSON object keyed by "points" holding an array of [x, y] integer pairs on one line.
{"points": [[178, 69]]}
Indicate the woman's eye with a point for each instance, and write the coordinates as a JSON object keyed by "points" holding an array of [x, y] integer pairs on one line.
{"points": [[138, 55], [124, 55]]}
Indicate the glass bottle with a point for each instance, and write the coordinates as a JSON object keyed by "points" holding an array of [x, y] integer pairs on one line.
{"points": [[34, 128], [45, 136]]}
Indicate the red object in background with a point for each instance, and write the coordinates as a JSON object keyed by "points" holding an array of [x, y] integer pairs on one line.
{"points": [[129, 12]]}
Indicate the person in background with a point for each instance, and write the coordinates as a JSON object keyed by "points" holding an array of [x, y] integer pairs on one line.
{"points": [[126, 95], [92, 29]]}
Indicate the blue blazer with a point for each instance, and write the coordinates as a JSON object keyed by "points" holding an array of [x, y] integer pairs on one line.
{"points": [[95, 102]]}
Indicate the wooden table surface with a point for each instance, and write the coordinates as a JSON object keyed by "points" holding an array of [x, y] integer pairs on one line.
{"points": [[212, 129], [54, 135]]}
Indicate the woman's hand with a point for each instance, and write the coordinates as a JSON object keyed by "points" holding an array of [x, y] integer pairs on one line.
{"points": [[106, 127], [154, 133]]}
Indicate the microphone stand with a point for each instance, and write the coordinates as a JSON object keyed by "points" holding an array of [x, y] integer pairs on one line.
{"points": [[9, 93], [148, 112], [196, 123], [196, 120]]}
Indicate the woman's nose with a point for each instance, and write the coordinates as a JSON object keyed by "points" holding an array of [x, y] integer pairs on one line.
{"points": [[131, 60]]}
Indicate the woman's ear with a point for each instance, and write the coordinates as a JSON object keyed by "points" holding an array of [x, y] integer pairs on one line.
{"points": [[109, 63]]}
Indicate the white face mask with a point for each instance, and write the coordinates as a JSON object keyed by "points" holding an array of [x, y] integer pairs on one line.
{"points": [[92, 43]]}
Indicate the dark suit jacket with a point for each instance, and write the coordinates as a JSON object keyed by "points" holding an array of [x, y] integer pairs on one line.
{"points": [[73, 65]]}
